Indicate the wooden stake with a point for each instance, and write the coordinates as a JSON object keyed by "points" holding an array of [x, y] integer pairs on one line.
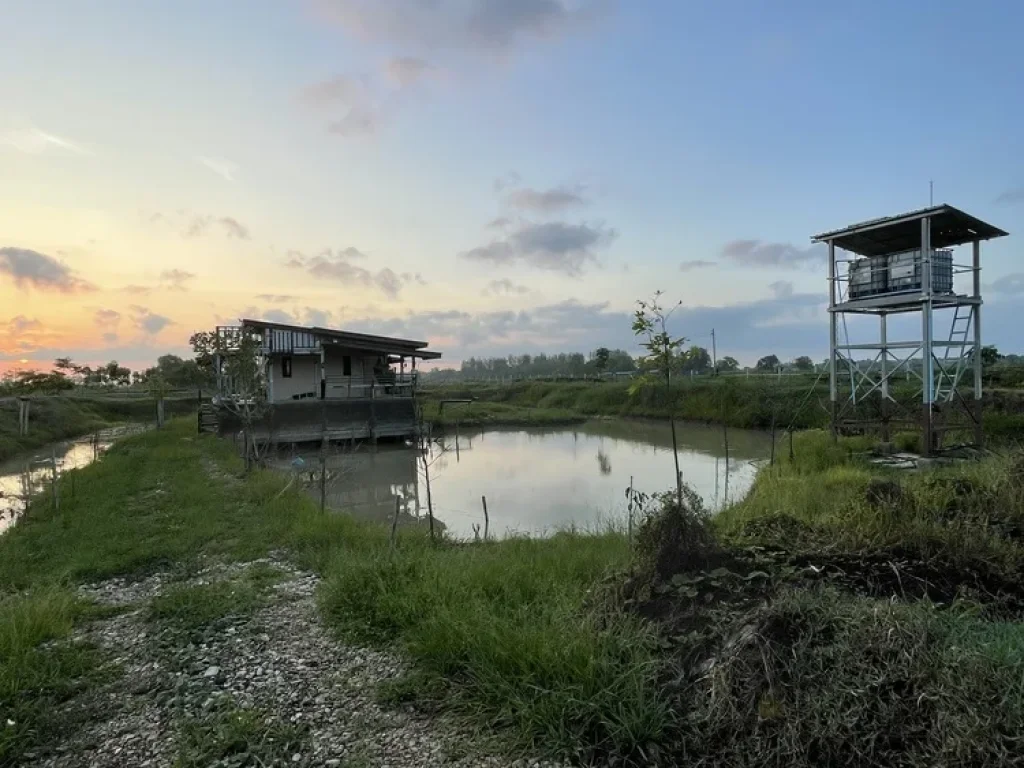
{"points": [[394, 522], [54, 480], [487, 520]]}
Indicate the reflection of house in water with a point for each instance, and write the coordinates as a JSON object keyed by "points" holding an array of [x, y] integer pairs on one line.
{"points": [[367, 484]]}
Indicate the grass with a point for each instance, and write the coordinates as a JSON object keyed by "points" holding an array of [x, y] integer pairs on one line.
{"points": [[35, 675], [238, 736], [59, 418], [504, 624], [491, 414], [536, 639]]}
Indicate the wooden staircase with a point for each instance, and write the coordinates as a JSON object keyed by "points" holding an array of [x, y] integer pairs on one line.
{"points": [[208, 418]]}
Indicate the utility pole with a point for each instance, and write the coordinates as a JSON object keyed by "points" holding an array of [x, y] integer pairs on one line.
{"points": [[714, 354]]}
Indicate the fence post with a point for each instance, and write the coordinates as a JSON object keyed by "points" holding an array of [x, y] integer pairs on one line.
{"points": [[159, 413], [487, 520], [394, 521], [55, 484]]}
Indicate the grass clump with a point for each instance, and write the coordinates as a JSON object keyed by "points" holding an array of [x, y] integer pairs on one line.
{"points": [[193, 607], [36, 675], [238, 736], [504, 624]]}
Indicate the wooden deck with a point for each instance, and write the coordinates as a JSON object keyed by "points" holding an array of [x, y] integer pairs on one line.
{"points": [[350, 419]]}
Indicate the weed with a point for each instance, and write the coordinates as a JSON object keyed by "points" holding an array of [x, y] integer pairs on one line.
{"points": [[246, 737], [193, 607]]}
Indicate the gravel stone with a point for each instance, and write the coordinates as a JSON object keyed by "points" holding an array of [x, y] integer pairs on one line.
{"points": [[280, 660]]}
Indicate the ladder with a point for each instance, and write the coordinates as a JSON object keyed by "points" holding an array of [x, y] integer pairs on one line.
{"points": [[959, 330]]}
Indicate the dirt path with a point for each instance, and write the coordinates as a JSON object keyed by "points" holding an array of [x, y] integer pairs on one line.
{"points": [[262, 685]]}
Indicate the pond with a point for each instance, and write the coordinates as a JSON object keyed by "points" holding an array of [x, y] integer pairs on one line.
{"points": [[29, 474], [536, 480]]}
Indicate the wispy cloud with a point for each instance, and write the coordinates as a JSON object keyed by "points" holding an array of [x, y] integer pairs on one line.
{"points": [[31, 269], [176, 279], [338, 266], [758, 253], [545, 201], [277, 298], [149, 322], [107, 318], [689, 266], [555, 245], [504, 287], [1011, 196], [220, 166], [33, 141]]}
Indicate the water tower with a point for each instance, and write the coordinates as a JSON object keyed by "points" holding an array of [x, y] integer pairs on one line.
{"points": [[928, 379]]}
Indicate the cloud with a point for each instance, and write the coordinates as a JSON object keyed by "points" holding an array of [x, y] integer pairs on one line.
{"points": [[176, 279], [781, 289], [33, 141], [1011, 196], [149, 322], [107, 318], [363, 109], [110, 337], [504, 287], [137, 290], [277, 298], [502, 222], [338, 266], [689, 266], [476, 26], [406, 70], [1008, 285], [30, 268], [554, 245], [220, 166], [757, 253], [318, 317], [200, 225], [545, 200]]}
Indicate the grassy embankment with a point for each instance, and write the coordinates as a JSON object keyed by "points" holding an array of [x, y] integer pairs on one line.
{"points": [[839, 615], [501, 623], [60, 418], [747, 403]]}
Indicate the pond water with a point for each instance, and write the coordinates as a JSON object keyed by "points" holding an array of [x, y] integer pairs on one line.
{"points": [[30, 474], [536, 480]]}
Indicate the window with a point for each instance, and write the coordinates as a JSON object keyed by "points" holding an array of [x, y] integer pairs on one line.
{"points": [[346, 365], [286, 367]]}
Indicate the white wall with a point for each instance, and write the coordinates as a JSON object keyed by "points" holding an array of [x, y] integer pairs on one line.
{"points": [[305, 377]]}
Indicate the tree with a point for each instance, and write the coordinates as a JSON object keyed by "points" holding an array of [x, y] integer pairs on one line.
{"points": [[803, 363], [601, 357], [242, 368], [115, 374], [65, 366], [767, 363], [650, 323], [694, 360], [990, 356], [728, 364]]}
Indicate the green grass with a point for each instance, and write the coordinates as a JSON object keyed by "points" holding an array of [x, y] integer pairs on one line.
{"points": [[59, 418], [522, 637], [490, 414], [35, 676], [505, 623], [238, 736]]}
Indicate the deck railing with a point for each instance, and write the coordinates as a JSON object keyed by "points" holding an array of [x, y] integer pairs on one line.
{"points": [[386, 385]]}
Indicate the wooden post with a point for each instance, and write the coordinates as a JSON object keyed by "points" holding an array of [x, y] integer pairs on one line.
{"points": [[629, 511], [55, 485], [159, 413], [487, 520], [394, 522], [323, 456]]}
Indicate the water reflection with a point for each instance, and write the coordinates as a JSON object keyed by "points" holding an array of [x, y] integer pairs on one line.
{"points": [[25, 477], [535, 480]]}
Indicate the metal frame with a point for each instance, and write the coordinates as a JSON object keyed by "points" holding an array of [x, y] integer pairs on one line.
{"points": [[940, 365]]}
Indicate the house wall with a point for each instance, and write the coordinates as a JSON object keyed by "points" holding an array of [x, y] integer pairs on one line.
{"points": [[305, 378], [339, 385]]}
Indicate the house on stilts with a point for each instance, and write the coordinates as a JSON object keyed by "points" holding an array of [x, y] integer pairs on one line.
{"points": [[322, 382]]}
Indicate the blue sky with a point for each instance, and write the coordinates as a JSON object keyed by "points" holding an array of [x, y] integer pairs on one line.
{"points": [[496, 175]]}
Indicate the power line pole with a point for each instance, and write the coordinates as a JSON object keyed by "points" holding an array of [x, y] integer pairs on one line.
{"points": [[714, 353]]}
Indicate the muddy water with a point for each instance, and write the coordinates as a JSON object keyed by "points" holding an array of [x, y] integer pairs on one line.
{"points": [[30, 474], [536, 480]]}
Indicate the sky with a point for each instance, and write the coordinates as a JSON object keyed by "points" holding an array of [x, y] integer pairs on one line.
{"points": [[494, 176]]}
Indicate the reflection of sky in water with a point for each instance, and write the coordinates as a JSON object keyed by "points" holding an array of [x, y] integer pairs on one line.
{"points": [[540, 480], [30, 474]]}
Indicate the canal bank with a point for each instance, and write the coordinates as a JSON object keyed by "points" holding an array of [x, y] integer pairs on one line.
{"points": [[758, 637]]}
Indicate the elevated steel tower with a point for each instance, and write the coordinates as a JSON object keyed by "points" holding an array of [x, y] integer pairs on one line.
{"points": [[903, 265]]}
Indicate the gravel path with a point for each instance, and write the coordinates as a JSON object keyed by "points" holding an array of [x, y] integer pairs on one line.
{"points": [[300, 697]]}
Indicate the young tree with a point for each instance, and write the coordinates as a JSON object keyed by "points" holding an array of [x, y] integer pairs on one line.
{"points": [[728, 364], [650, 324]]}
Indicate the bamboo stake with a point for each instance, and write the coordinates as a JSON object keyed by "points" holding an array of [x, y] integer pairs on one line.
{"points": [[487, 521]]}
